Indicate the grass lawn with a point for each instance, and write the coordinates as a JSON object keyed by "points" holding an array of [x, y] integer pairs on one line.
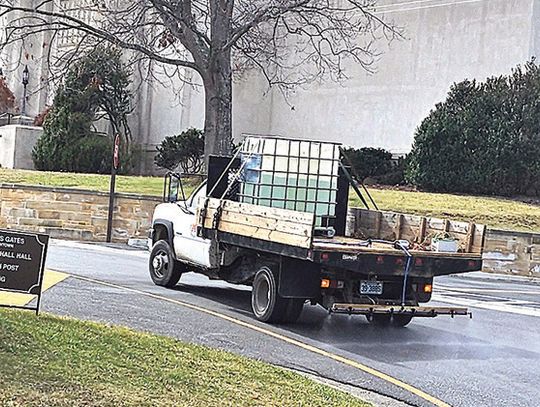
{"points": [[51, 361], [498, 213], [135, 185], [494, 212]]}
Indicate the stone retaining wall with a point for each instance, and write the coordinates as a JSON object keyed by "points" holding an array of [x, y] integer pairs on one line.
{"points": [[510, 252], [74, 214], [82, 215]]}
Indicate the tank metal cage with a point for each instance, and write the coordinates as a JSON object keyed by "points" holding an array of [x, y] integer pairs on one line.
{"points": [[301, 175]]}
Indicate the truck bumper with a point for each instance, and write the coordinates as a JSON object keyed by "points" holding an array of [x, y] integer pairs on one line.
{"points": [[415, 311]]}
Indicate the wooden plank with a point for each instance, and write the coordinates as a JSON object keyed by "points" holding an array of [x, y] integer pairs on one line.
{"points": [[264, 223], [387, 250], [390, 225], [422, 230], [470, 237], [304, 218], [259, 222], [378, 223], [261, 233], [399, 224], [446, 226]]}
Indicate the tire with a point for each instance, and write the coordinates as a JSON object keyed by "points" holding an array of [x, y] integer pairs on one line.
{"points": [[266, 303], [380, 320], [294, 309], [164, 269], [401, 320]]}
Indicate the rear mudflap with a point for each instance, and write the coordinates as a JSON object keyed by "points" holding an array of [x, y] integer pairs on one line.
{"points": [[415, 311]]}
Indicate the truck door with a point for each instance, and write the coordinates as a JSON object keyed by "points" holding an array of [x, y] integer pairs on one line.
{"points": [[187, 245]]}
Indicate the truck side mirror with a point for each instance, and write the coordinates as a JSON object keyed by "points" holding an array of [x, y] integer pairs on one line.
{"points": [[173, 189], [173, 185]]}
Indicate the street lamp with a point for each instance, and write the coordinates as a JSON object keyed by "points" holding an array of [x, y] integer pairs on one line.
{"points": [[25, 78]]}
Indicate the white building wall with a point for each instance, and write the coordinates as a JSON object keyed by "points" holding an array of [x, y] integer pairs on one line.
{"points": [[443, 45], [446, 41]]}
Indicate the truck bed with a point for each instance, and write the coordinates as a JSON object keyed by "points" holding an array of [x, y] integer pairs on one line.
{"points": [[351, 245], [291, 233]]}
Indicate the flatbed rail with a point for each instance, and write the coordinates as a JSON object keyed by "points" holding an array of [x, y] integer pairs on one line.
{"points": [[359, 246], [416, 311]]}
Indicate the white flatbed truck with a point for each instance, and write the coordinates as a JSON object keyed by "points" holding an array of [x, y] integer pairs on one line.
{"points": [[275, 216]]}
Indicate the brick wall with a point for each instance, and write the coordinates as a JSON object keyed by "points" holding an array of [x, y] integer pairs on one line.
{"points": [[74, 214]]}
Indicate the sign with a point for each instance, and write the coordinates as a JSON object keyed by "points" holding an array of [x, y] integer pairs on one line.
{"points": [[116, 155], [22, 262]]}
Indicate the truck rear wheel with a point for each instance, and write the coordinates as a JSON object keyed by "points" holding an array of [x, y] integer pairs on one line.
{"points": [[294, 309], [401, 320], [164, 269], [397, 320], [379, 319], [267, 304]]}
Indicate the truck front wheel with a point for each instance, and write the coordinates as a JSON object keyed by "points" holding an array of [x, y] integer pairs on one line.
{"points": [[267, 304], [164, 269]]}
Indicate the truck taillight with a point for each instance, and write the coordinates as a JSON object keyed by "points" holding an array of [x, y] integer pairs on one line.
{"points": [[327, 283]]}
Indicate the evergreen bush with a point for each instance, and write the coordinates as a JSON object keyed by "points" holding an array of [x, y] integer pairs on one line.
{"points": [[483, 139], [96, 86]]}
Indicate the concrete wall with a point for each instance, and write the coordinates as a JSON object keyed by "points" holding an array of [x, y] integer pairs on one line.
{"points": [[74, 214], [444, 44], [16, 144]]}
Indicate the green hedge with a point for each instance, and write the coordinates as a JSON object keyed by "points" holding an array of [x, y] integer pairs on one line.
{"points": [[483, 139]]}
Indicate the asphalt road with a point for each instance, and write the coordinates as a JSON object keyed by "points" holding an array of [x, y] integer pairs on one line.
{"points": [[490, 360]]}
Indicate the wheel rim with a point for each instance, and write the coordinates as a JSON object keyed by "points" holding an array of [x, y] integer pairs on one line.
{"points": [[262, 296], [160, 263]]}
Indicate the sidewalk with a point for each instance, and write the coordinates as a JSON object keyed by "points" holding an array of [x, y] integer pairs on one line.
{"points": [[483, 276]]}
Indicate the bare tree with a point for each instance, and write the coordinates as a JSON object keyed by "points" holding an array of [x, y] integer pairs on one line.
{"points": [[292, 42]]}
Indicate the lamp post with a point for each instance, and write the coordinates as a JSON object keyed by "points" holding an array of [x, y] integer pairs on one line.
{"points": [[25, 78]]}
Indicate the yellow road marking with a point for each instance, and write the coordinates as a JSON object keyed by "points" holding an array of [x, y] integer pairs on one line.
{"points": [[50, 279], [311, 348]]}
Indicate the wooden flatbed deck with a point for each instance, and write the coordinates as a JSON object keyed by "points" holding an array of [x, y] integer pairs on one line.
{"points": [[351, 245]]}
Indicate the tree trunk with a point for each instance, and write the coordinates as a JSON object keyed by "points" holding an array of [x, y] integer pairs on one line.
{"points": [[218, 107]]}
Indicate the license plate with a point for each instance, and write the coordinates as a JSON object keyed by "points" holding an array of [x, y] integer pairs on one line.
{"points": [[371, 287]]}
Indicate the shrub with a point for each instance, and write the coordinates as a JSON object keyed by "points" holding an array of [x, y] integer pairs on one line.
{"points": [[96, 82], [396, 176], [484, 138], [370, 162], [184, 151]]}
